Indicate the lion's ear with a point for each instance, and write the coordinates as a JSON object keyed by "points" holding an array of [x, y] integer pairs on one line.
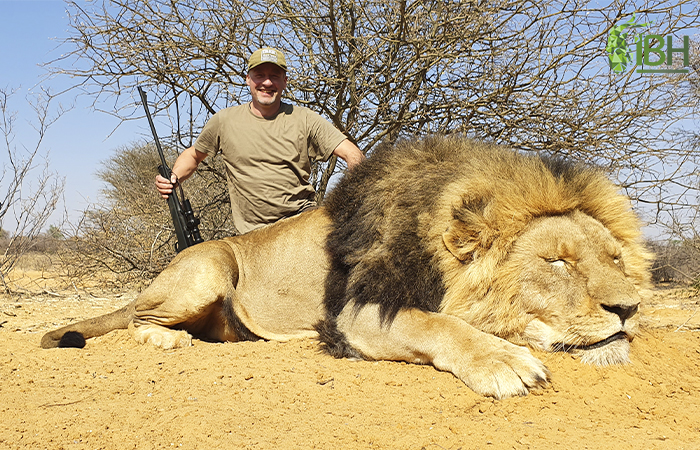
{"points": [[460, 240]]}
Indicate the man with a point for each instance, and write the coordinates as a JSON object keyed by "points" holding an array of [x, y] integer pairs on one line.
{"points": [[267, 146]]}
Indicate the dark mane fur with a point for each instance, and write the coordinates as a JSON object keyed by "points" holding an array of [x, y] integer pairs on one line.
{"points": [[403, 275]]}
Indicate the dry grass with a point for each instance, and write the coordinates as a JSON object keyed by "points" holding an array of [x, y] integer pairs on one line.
{"points": [[43, 273], [37, 261]]}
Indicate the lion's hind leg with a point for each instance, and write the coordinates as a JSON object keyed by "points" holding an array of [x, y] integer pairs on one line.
{"points": [[187, 299], [487, 364]]}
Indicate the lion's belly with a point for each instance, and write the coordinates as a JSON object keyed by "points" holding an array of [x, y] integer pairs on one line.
{"points": [[282, 271]]}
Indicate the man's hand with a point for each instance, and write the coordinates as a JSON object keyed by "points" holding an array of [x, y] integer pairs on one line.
{"points": [[184, 166], [164, 186]]}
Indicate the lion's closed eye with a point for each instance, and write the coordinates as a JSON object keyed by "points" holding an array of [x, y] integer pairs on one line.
{"points": [[559, 263]]}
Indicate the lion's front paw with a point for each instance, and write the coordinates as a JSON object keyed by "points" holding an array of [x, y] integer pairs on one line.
{"points": [[504, 371], [162, 337]]}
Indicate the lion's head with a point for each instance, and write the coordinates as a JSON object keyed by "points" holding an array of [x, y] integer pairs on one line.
{"points": [[549, 257], [567, 289], [574, 284]]}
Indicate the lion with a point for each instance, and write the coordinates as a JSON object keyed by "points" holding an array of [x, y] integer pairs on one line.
{"points": [[443, 251]]}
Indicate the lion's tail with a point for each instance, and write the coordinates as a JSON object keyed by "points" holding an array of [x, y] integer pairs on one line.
{"points": [[74, 335]]}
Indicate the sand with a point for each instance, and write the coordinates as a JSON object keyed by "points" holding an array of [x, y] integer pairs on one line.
{"points": [[116, 394]]}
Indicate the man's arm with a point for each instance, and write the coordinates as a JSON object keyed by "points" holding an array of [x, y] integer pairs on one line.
{"points": [[349, 153], [184, 166]]}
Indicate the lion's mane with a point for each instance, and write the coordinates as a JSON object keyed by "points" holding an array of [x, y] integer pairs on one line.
{"points": [[413, 215]]}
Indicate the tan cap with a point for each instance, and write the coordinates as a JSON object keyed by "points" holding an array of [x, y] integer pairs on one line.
{"points": [[265, 55]]}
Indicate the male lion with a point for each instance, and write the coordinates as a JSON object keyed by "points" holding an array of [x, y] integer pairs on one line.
{"points": [[442, 251]]}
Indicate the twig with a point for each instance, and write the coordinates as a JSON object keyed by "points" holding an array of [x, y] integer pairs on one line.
{"points": [[51, 405], [46, 291], [76, 289], [684, 323]]}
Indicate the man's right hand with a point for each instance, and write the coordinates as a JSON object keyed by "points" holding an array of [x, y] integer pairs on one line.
{"points": [[184, 166], [164, 186]]}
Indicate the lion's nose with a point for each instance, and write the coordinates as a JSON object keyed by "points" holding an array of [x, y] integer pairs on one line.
{"points": [[624, 312]]}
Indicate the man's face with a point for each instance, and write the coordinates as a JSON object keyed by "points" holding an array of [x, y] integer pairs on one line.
{"points": [[266, 83]]}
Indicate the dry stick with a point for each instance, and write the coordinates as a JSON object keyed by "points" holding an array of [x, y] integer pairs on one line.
{"points": [[684, 323]]}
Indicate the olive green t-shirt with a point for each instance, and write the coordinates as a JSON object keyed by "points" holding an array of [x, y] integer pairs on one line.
{"points": [[268, 160]]}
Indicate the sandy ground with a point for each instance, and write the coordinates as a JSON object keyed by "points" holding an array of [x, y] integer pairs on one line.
{"points": [[116, 394]]}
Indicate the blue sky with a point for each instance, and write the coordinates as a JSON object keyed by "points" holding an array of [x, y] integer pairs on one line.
{"points": [[30, 34]]}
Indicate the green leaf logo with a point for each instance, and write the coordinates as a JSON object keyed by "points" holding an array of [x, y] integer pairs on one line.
{"points": [[618, 50]]}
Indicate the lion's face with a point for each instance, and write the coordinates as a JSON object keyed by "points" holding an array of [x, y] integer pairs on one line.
{"points": [[573, 289]]}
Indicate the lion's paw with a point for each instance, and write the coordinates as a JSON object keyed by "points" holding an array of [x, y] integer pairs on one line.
{"points": [[161, 337], [506, 371]]}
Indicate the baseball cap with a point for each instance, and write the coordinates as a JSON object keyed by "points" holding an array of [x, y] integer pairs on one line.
{"points": [[265, 55]]}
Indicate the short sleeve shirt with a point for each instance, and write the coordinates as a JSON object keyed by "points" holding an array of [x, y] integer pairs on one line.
{"points": [[268, 160]]}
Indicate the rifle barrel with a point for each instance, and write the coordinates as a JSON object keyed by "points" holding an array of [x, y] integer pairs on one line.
{"points": [[144, 100], [183, 218]]}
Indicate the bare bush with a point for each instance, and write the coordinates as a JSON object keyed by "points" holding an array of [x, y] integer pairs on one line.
{"points": [[129, 235], [29, 190], [676, 261], [532, 75]]}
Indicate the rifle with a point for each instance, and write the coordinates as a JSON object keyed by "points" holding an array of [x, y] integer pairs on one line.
{"points": [[182, 214]]}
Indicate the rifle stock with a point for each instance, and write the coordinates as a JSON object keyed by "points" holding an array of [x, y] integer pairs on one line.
{"points": [[184, 220]]}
